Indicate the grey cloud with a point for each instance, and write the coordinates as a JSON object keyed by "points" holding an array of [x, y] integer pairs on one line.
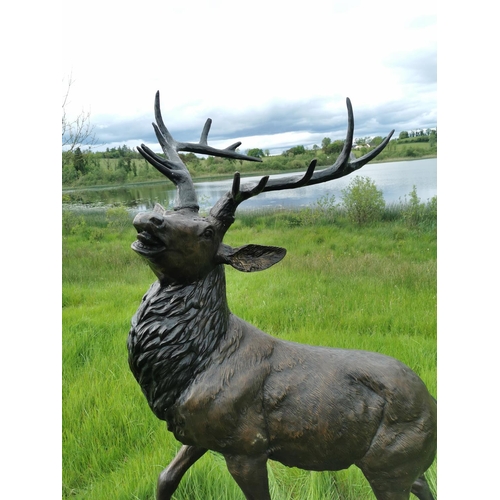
{"points": [[415, 68], [109, 131], [280, 117], [399, 115], [313, 117]]}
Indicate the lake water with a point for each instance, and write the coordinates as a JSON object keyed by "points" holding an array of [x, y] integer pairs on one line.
{"points": [[394, 179]]}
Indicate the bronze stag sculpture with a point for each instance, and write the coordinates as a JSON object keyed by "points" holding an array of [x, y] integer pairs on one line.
{"points": [[221, 384]]}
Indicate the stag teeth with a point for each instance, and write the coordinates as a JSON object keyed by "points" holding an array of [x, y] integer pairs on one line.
{"points": [[148, 239]]}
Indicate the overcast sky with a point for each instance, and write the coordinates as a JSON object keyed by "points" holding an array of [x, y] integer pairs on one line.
{"points": [[271, 74]]}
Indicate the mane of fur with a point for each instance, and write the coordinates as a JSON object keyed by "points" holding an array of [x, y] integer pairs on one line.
{"points": [[173, 334]]}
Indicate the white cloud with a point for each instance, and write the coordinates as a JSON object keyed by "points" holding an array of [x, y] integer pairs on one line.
{"points": [[248, 63]]}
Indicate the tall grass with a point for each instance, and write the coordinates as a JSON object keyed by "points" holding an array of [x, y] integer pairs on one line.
{"points": [[365, 287]]}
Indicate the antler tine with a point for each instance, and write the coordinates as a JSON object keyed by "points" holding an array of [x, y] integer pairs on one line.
{"points": [[241, 195], [204, 149], [224, 152], [292, 182], [226, 207], [205, 131], [312, 177], [236, 145], [363, 160], [159, 163], [178, 173], [223, 211], [167, 142]]}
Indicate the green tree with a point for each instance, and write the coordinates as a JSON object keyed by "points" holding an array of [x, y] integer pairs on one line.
{"points": [[257, 152], [124, 165], [334, 147], [79, 162], [325, 143], [362, 201], [403, 135], [376, 141], [296, 150], [433, 139]]}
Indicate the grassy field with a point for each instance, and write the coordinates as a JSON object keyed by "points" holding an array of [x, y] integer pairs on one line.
{"points": [[371, 287]]}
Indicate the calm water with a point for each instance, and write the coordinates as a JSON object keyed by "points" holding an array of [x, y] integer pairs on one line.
{"points": [[395, 180]]}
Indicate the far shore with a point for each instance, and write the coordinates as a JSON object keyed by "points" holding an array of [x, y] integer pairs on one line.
{"points": [[216, 176]]}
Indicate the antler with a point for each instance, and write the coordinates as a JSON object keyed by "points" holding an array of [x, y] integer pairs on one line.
{"points": [[226, 206], [174, 168]]}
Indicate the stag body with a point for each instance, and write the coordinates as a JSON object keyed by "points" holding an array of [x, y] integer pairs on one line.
{"points": [[221, 384]]}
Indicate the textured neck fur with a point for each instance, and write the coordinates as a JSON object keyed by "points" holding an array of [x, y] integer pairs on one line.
{"points": [[173, 334]]}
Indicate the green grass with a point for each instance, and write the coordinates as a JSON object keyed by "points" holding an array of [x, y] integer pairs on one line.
{"points": [[340, 285]]}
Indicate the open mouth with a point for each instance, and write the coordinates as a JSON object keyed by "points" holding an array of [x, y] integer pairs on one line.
{"points": [[146, 243]]}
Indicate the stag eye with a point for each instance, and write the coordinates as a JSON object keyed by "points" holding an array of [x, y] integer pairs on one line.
{"points": [[208, 233]]}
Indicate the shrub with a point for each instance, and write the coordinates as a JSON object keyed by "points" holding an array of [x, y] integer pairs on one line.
{"points": [[118, 218], [326, 207], [72, 223], [413, 210], [431, 210], [411, 152], [417, 214], [96, 234], [362, 201]]}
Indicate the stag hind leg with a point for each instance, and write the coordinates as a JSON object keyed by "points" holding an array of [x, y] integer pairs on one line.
{"points": [[396, 490], [170, 477], [250, 473], [421, 490]]}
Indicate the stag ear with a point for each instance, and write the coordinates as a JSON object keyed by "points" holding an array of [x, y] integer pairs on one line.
{"points": [[249, 258]]}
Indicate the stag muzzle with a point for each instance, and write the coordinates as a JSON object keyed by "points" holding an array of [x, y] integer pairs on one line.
{"points": [[148, 226]]}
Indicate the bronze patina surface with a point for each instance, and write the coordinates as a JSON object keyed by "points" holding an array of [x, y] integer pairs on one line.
{"points": [[222, 384]]}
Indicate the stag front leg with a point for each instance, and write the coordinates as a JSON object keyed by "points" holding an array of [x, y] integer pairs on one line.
{"points": [[170, 477], [250, 473]]}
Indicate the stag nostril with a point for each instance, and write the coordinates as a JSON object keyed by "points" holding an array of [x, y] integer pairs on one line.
{"points": [[157, 221]]}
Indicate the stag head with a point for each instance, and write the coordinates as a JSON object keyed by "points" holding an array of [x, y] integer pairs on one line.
{"points": [[180, 245]]}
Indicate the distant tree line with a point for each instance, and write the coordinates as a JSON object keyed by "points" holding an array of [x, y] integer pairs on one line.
{"points": [[418, 133], [120, 165]]}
